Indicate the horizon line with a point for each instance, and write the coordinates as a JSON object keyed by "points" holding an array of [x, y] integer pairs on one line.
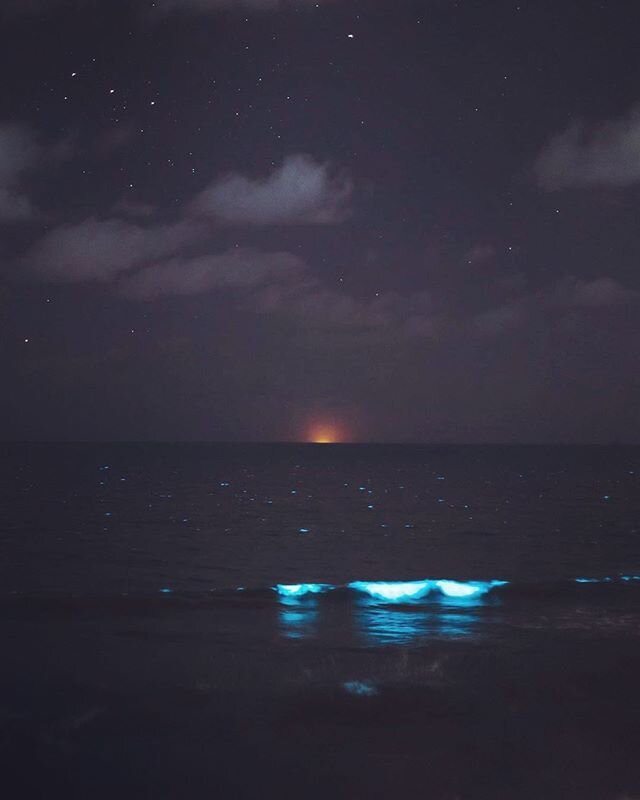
{"points": [[296, 443]]}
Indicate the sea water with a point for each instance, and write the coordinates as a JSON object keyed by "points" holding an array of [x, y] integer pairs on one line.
{"points": [[320, 621]]}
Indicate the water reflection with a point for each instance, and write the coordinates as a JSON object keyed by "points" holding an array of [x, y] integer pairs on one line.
{"points": [[379, 623], [456, 624], [298, 616], [383, 623]]}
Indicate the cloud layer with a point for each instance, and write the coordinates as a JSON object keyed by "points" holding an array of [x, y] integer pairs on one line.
{"points": [[237, 268], [99, 250], [607, 154], [300, 191]]}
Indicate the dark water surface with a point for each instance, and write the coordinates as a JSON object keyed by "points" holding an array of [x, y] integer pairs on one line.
{"points": [[149, 653]]}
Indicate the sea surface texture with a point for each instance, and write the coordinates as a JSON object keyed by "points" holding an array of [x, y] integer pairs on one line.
{"points": [[297, 621]]}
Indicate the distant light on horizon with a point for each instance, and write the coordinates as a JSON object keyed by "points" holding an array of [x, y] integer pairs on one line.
{"points": [[326, 433]]}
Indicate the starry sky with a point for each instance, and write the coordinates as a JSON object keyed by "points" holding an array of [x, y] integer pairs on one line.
{"points": [[240, 219]]}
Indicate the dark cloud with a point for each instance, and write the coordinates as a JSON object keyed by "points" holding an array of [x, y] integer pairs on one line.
{"points": [[145, 262], [301, 190], [315, 306], [19, 152], [280, 283], [559, 300], [606, 154], [99, 250], [600, 292], [237, 268]]}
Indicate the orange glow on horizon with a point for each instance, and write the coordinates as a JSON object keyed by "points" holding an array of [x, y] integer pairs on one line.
{"points": [[324, 433]]}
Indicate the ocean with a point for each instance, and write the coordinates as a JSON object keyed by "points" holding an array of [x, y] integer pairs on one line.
{"points": [[313, 621]]}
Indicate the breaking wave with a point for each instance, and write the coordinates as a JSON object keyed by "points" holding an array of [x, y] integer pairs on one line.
{"points": [[446, 591]]}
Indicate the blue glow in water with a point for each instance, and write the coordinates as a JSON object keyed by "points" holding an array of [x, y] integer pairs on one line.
{"points": [[455, 589], [456, 625], [360, 689], [299, 608], [301, 589], [587, 580], [387, 624], [406, 591], [166, 590], [298, 618], [630, 577], [303, 530], [467, 589], [393, 592]]}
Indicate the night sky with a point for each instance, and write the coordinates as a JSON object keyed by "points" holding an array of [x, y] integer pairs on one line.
{"points": [[398, 221]]}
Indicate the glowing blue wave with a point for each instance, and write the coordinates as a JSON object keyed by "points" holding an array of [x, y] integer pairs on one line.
{"points": [[467, 590], [302, 589], [445, 591], [407, 591], [394, 592]]}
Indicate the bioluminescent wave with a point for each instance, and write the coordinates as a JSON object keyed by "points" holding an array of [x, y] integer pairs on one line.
{"points": [[467, 590], [398, 591], [437, 589], [394, 592], [408, 591], [302, 589]]}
